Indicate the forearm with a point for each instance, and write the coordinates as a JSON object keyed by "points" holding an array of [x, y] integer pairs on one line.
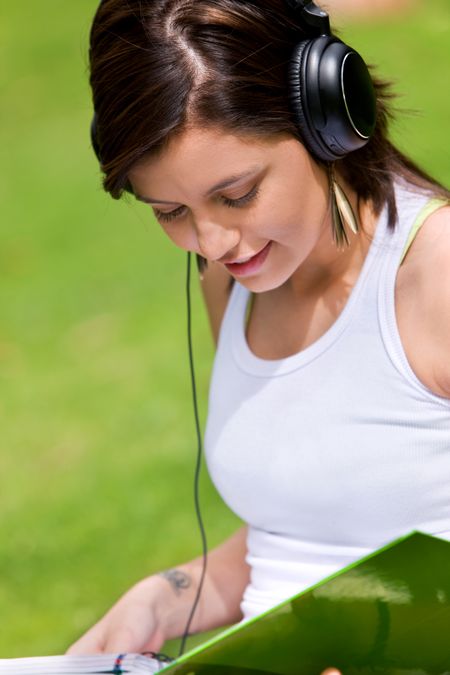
{"points": [[226, 578], [157, 608]]}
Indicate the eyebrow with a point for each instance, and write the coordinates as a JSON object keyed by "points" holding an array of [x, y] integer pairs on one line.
{"points": [[222, 185]]}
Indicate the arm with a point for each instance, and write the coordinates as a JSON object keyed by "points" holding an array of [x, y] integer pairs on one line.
{"points": [[438, 289], [423, 303], [157, 608], [226, 578]]}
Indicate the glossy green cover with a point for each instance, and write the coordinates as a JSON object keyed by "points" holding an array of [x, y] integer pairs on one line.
{"points": [[386, 613]]}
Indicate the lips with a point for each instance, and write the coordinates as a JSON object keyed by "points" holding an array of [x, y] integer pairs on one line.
{"points": [[249, 266]]}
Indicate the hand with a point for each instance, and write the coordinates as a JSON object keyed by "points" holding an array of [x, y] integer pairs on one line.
{"points": [[157, 608], [331, 671], [131, 625]]}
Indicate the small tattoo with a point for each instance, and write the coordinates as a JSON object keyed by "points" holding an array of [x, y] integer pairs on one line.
{"points": [[177, 579]]}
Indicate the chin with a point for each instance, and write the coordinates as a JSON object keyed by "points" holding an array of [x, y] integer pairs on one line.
{"points": [[261, 284]]}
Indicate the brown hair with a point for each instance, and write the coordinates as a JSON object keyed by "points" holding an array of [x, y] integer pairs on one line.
{"points": [[158, 66]]}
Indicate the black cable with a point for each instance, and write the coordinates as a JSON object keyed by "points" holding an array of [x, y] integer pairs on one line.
{"points": [[199, 458]]}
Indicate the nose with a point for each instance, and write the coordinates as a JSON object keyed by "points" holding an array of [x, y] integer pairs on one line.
{"points": [[215, 241]]}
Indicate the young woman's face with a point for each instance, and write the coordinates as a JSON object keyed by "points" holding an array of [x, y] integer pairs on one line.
{"points": [[259, 207]]}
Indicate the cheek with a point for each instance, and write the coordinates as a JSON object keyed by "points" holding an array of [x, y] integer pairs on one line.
{"points": [[279, 215], [181, 235]]}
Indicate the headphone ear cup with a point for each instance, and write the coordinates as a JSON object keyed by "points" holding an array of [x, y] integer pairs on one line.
{"points": [[332, 97], [299, 102]]}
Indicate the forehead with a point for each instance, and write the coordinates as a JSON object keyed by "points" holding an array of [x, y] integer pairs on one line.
{"points": [[198, 158]]}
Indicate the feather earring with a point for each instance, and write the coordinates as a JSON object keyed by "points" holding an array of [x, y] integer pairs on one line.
{"points": [[202, 264], [341, 213]]}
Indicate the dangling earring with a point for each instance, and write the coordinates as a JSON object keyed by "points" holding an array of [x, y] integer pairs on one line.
{"points": [[202, 264], [341, 212]]}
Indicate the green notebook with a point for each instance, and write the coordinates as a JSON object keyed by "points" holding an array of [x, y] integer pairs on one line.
{"points": [[386, 613]]}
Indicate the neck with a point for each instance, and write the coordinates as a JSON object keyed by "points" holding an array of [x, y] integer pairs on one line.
{"points": [[329, 265]]}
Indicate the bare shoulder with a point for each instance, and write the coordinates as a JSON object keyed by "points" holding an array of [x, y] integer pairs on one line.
{"points": [[423, 302], [216, 287], [431, 261]]}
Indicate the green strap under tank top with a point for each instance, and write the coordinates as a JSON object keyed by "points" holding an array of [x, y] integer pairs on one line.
{"points": [[429, 208]]}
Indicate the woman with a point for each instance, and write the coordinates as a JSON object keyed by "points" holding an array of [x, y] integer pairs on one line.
{"points": [[328, 428]]}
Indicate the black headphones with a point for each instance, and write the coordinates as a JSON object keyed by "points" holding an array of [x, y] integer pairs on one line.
{"points": [[331, 91]]}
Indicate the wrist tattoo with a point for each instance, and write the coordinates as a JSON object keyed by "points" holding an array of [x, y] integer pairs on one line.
{"points": [[177, 579]]}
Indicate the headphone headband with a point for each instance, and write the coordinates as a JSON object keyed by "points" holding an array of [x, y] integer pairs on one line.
{"points": [[312, 15], [330, 90]]}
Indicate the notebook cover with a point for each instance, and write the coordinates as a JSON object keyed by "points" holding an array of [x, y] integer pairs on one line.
{"points": [[386, 613]]}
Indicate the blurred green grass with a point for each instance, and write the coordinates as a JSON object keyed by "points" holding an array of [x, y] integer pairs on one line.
{"points": [[97, 437]]}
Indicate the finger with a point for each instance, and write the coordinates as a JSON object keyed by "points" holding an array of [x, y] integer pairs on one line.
{"points": [[89, 643], [123, 639], [331, 671], [155, 643], [83, 647]]}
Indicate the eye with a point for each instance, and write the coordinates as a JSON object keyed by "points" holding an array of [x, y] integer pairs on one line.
{"points": [[232, 203], [242, 201], [167, 217]]}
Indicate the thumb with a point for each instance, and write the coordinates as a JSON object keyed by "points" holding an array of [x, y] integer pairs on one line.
{"points": [[123, 639], [90, 643], [133, 639]]}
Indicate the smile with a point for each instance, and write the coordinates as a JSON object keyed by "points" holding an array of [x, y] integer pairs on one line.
{"points": [[250, 265]]}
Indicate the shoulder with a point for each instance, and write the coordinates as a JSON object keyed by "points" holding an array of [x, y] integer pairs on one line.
{"points": [[424, 302], [430, 261], [216, 288]]}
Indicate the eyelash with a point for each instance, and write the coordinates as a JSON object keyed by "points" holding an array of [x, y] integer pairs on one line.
{"points": [[231, 203], [166, 217]]}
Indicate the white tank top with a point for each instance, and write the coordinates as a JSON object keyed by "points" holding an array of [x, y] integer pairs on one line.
{"points": [[335, 451]]}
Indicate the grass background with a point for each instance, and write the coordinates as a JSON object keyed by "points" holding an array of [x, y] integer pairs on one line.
{"points": [[96, 431]]}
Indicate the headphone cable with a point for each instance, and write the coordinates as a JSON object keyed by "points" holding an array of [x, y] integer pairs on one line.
{"points": [[198, 461]]}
